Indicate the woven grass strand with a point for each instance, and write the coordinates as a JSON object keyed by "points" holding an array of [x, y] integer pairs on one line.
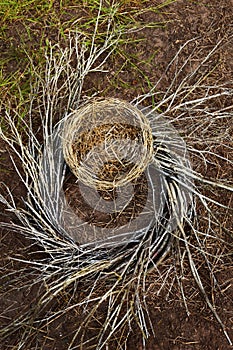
{"points": [[114, 135]]}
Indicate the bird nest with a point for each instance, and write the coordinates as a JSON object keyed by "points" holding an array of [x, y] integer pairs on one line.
{"points": [[107, 143], [115, 175]]}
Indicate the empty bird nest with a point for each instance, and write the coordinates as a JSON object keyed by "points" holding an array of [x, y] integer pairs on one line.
{"points": [[114, 176]]}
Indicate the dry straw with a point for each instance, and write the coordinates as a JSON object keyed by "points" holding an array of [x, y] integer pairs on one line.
{"points": [[107, 143]]}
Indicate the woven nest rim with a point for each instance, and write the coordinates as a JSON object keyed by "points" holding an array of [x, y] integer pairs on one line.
{"points": [[125, 127]]}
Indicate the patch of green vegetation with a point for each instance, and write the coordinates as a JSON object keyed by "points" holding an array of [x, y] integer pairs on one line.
{"points": [[26, 26]]}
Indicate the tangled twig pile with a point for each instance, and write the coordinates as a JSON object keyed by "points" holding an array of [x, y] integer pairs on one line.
{"points": [[126, 187], [110, 261]]}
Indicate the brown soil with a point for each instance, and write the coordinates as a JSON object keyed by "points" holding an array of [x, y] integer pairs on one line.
{"points": [[100, 218], [174, 329]]}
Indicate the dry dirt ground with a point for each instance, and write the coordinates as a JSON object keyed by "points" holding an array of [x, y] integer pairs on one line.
{"points": [[208, 21]]}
